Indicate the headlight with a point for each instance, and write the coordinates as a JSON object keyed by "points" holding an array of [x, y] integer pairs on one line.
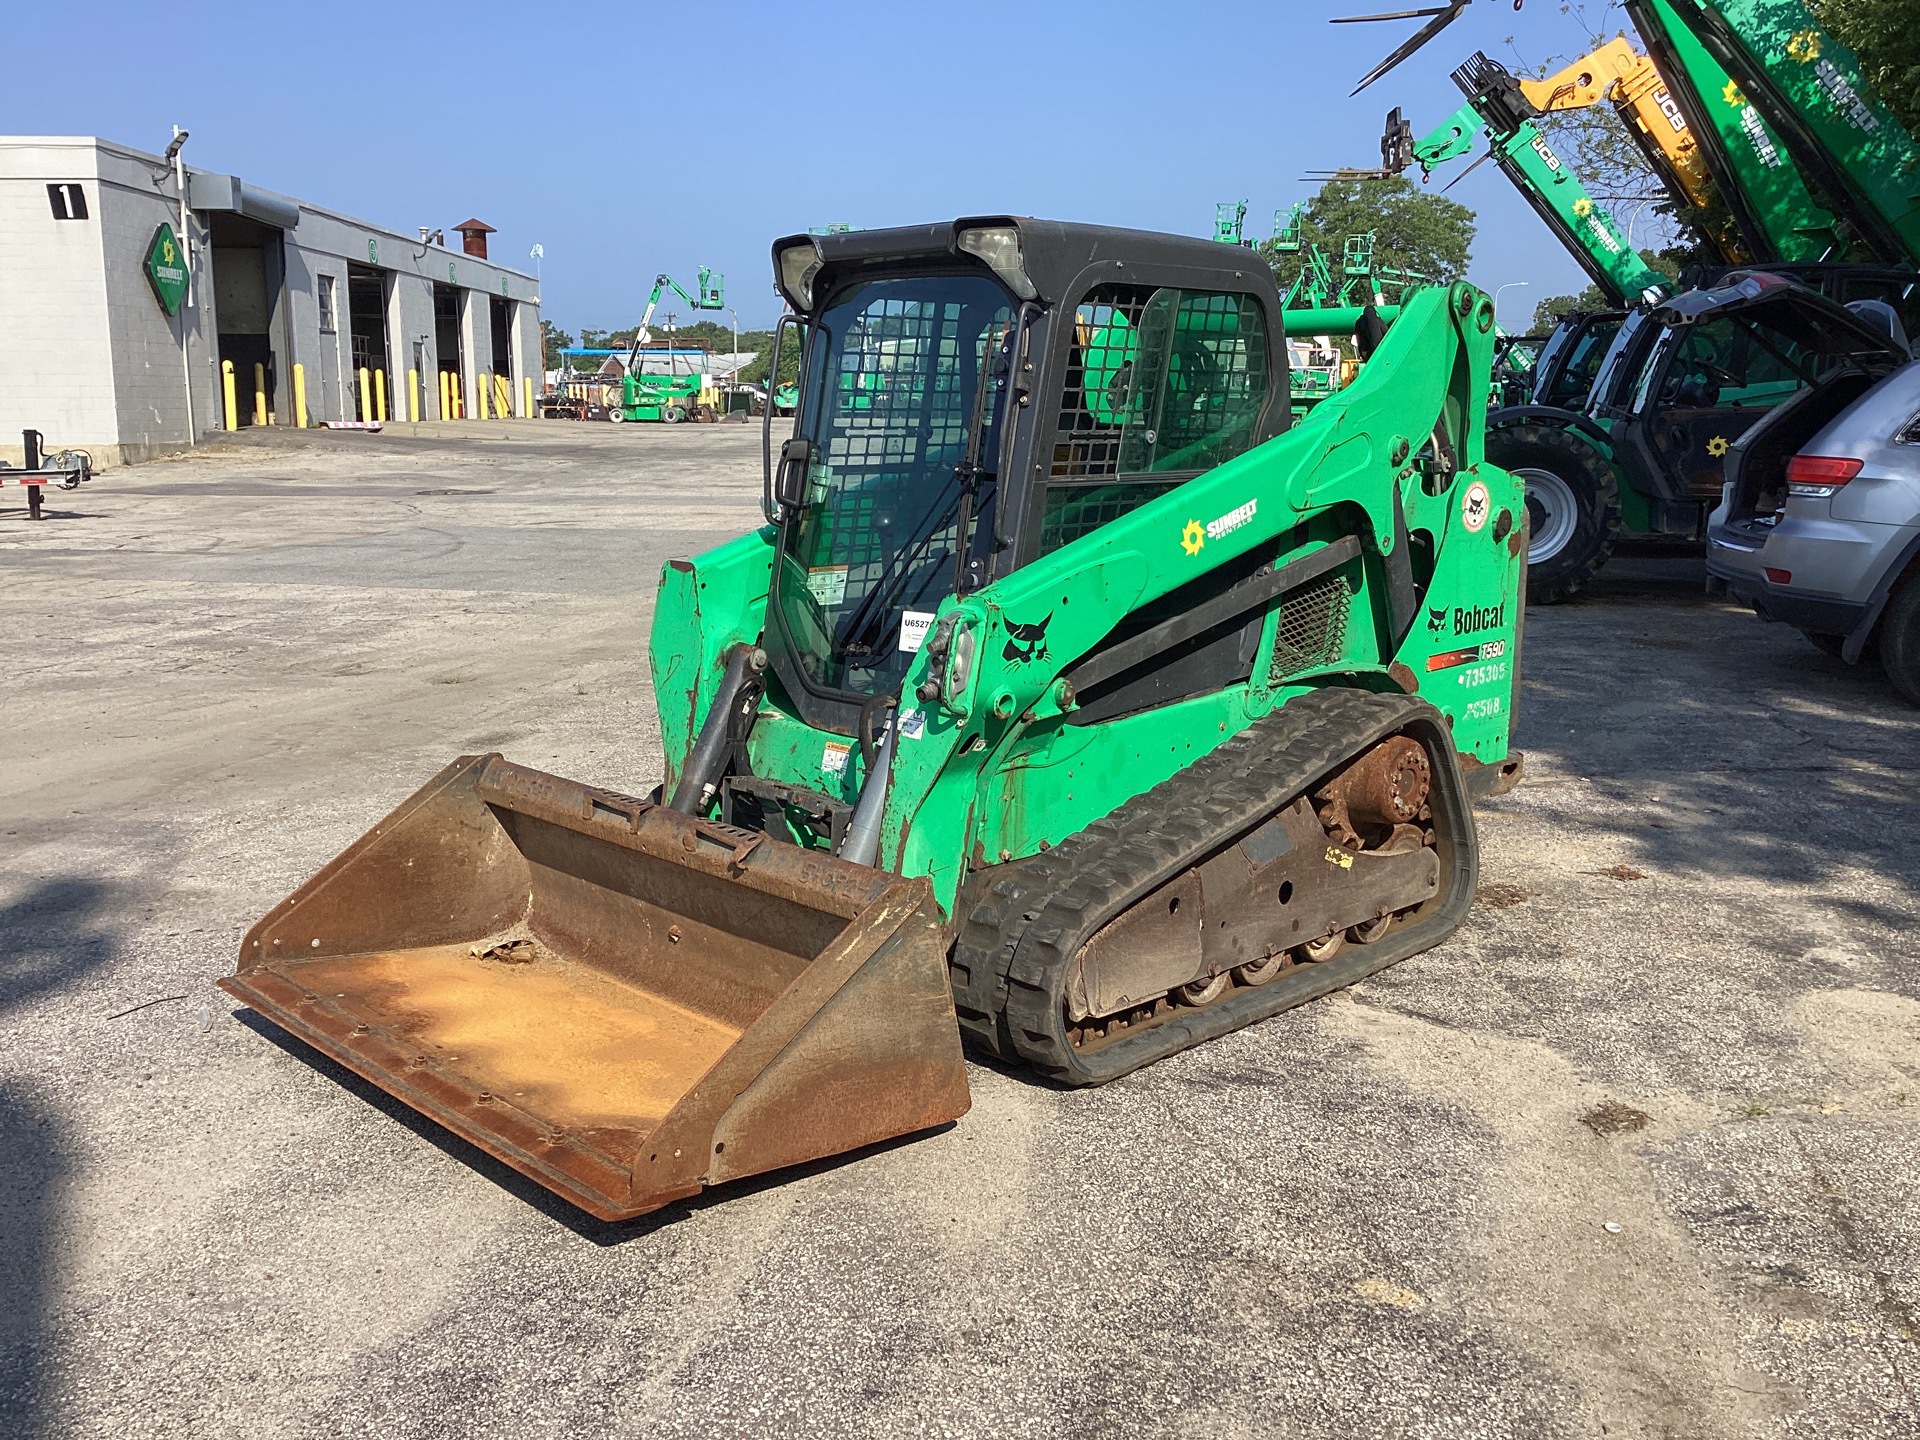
{"points": [[798, 265], [999, 246], [959, 668]]}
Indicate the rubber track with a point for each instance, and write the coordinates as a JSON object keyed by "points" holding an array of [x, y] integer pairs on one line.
{"points": [[1021, 932]]}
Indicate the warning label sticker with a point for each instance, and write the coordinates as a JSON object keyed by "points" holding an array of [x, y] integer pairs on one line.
{"points": [[828, 584]]}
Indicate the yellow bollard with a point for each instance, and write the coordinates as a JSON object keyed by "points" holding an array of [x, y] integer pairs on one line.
{"points": [[366, 393], [300, 396], [526, 394], [459, 395], [259, 393], [233, 404], [380, 396], [503, 397], [413, 396], [446, 406], [480, 397]]}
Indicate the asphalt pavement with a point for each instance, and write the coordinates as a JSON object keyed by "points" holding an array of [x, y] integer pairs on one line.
{"points": [[1636, 1154]]}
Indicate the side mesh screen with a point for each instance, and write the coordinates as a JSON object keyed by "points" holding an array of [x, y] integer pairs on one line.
{"points": [[1161, 384]]}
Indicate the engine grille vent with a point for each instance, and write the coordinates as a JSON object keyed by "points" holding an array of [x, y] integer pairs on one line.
{"points": [[1313, 627]]}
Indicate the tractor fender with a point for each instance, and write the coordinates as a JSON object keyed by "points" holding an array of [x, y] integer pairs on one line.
{"points": [[1554, 416]]}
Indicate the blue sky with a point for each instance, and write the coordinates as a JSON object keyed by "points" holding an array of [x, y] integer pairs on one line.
{"points": [[627, 142]]}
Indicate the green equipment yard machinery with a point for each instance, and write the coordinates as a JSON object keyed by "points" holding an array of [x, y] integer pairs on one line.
{"points": [[1071, 698], [671, 397]]}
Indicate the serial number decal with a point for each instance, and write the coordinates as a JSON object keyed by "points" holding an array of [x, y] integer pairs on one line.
{"points": [[1476, 675], [1483, 709], [1472, 654]]}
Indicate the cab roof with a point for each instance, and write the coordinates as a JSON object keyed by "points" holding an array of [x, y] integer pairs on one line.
{"points": [[1056, 255]]}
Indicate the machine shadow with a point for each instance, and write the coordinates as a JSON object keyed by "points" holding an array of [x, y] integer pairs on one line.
{"points": [[50, 938], [1760, 757], [530, 1192]]}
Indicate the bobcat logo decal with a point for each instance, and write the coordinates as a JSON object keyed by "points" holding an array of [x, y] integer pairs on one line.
{"points": [[1027, 643], [1436, 620]]}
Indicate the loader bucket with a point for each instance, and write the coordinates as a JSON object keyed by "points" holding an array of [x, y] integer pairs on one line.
{"points": [[622, 1002]]}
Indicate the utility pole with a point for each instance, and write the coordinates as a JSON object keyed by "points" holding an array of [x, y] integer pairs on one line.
{"points": [[186, 258]]}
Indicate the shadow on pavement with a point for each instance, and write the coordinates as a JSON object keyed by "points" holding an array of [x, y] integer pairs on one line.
{"points": [[50, 938], [533, 1194]]}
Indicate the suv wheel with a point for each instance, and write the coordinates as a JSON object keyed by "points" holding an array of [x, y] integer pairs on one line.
{"points": [[1573, 506], [1899, 637]]}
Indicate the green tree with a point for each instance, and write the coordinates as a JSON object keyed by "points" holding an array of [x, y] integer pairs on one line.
{"points": [[1414, 231], [1885, 34], [552, 341]]}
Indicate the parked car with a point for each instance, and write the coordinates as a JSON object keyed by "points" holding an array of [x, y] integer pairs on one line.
{"points": [[1819, 524]]}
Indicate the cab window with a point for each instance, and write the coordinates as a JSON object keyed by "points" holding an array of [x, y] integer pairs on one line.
{"points": [[1720, 364], [1161, 384]]}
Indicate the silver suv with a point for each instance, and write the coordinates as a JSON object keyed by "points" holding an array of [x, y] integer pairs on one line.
{"points": [[1819, 523]]}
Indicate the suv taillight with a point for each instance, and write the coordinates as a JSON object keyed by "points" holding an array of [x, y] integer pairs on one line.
{"points": [[1814, 477]]}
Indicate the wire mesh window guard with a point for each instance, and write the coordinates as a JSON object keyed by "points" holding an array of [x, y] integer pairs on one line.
{"points": [[889, 406], [1160, 383]]}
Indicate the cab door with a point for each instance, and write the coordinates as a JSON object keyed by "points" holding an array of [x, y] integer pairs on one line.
{"points": [[1718, 378]]}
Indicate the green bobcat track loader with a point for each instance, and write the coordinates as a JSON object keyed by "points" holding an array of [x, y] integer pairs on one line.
{"points": [[1071, 692]]}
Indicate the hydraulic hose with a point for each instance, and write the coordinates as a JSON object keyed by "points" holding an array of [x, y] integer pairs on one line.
{"points": [[708, 759], [861, 844]]}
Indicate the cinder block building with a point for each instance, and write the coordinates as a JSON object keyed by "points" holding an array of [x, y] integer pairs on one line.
{"points": [[118, 305]]}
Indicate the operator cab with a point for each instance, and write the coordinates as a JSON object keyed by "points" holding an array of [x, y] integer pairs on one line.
{"points": [[976, 394]]}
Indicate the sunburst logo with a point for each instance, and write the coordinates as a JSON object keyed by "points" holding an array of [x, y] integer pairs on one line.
{"points": [[1193, 537], [1804, 47], [1717, 446], [1734, 95], [166, 251], [1583, 208]]}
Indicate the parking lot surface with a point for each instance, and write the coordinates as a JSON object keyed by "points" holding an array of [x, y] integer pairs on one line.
{"points": [[1636, 1154]]}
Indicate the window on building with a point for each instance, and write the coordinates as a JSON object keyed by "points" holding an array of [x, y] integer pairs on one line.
{"points": [[69, 200], [328, 313]]}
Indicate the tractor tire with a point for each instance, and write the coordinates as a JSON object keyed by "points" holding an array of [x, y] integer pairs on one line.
{"points": [[1573, 506], [673, 415], [1899, 637], [616, 415]]}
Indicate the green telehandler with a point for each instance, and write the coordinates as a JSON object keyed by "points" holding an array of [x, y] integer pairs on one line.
{"points": [[1072, 698]]}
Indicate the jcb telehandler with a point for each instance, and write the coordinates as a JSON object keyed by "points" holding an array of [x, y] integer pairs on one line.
{"points": [[1070, 691]]}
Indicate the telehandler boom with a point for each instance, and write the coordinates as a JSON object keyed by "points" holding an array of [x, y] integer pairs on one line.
{"points": [[1072, 697]]}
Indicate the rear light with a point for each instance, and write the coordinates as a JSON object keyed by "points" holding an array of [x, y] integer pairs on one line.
{"points": [[1779, 577], [1815, 477]]}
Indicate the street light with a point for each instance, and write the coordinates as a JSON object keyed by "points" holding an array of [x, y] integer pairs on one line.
{"points": [[734, 373], [1635, 220], [1510, 285]]}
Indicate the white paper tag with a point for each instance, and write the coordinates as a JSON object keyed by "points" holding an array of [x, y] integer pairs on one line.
{"points": [[914, 626], [913, 724], [828, 584], [833, 760]]}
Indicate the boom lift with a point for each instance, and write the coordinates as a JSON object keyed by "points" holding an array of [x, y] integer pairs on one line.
{"points": [[671, 397], [1072, 696]]}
